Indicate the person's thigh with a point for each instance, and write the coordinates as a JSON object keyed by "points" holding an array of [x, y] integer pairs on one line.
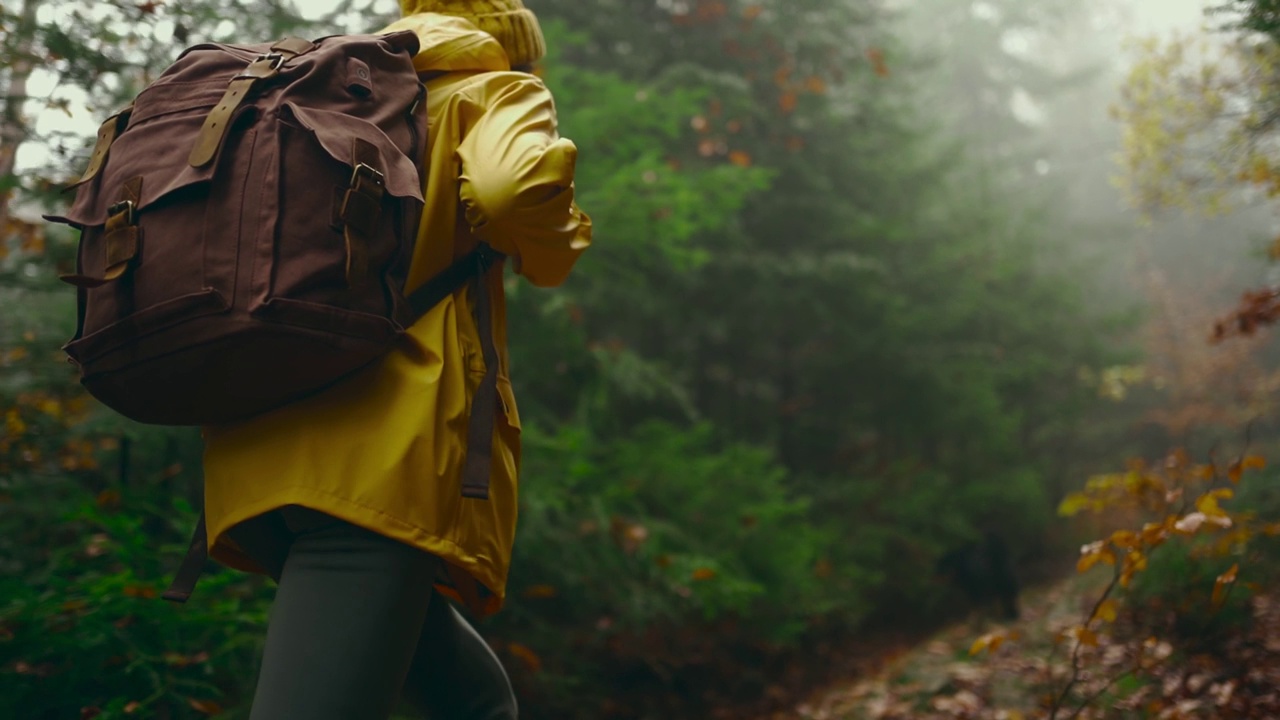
{"points": [[345, 624], [455, 676]]}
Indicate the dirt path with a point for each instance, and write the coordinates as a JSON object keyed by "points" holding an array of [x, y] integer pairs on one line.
{"points": [[940, 679]]}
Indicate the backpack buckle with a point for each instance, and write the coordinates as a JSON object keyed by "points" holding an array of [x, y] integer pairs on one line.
{"points": [[263, 66], [366, 171], [127, 207]]}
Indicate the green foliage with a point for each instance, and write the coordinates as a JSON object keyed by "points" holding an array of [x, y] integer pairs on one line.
{"points": [[85, 632]]}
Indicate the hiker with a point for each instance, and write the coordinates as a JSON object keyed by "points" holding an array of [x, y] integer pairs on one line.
{"points": [[350, 499], [983, 571]]}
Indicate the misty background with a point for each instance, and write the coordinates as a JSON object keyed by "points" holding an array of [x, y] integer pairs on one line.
{"points": [[880, 335]]}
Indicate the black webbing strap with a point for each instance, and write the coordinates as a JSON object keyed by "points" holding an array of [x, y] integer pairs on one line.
{"points": [[184, 582], [472, 267]]}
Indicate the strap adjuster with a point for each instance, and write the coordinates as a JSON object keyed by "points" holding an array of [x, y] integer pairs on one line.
{"points": [[263, 66], [128, 208], [366, 171]]}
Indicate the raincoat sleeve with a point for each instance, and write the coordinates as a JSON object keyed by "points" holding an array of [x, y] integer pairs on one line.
{"points": [[516, 178]]}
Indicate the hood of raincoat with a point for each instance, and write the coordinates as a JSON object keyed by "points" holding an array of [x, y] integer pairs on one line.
{"points": [[452, 44]]}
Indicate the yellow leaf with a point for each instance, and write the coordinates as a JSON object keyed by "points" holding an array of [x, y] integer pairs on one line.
{"points": [[989, 642], [1073, 504], [1208, 503], [1107, 611]]}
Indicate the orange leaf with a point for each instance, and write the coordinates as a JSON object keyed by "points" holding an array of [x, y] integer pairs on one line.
{"points": [[207, 707], [740, 158], [788, 102], [878, 65], [989, 642], [1093, 554], [1087, 637], [703, 574], [1224, 581], [526, 656], [815, 85], [140, 591], [751, 12], [540, 592]]}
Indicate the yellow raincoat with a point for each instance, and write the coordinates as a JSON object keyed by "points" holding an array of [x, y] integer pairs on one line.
{"points": [[384, 449]]}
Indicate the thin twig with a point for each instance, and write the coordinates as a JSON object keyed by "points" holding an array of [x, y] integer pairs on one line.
{"points": [[1075, 653]]}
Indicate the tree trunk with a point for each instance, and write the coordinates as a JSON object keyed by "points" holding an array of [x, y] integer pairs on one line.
{"points": [[13, 125]]}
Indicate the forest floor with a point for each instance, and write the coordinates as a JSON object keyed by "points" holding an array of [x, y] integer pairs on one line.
{"points": [[1233, 677], [939, 678]]}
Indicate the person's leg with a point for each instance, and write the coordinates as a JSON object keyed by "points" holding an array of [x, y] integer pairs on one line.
{"points": [[455, 676], [346, 622]]}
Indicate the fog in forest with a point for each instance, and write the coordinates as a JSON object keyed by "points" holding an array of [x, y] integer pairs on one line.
{"points": [[910, 331]]}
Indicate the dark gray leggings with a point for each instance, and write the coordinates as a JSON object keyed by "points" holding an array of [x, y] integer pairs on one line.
{"points": [[356, 627]]}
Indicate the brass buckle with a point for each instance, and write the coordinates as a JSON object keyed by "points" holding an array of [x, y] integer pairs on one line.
{"points": [[127, 207], [264, 65], [362, 170]]}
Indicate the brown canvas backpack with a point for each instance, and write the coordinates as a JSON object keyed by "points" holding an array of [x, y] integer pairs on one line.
{"points": [[246, 230]]}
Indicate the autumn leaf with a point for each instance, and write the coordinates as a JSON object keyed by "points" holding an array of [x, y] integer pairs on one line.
{"points": [[1073, 504], [989, 642], [740, 158], [1191, 523], [751, 12], [1094, 553], [1208, 503], [1108, 611], [526, 656], [815, 85], [1240, 467], [703, 574], [878, 65], [1125, 539], [1221, 585], [788, 102], [206, 707], [538, 592]]}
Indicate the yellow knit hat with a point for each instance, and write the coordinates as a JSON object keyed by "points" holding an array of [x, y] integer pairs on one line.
{"points": [[509, 21]]}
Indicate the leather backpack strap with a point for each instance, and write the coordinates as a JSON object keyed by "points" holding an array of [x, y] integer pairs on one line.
{"points": [[263, 67], [107, 134]]}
